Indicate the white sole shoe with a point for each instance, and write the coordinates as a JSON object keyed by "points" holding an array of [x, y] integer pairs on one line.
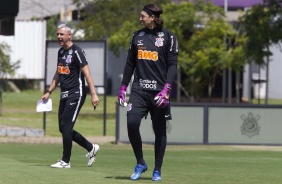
{"points": [[92, 154], [61, 164]]}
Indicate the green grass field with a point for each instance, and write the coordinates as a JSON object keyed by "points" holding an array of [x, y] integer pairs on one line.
{"points": [[23, 163], [29, 164], [19, 109]]}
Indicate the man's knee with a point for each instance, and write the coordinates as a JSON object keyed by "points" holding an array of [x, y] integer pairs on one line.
{"points": [[66, 132], [133, 121]]}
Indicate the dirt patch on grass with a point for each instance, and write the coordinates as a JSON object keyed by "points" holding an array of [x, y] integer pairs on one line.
{"points": [[257, 148], [52, 140], [111, 139]]}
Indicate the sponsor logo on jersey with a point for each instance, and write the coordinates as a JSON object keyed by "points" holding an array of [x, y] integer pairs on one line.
{"points": [[159, 42], [63, 70], [147, 84], [68, 60], [141, 47], [160, 34], [139, 42], [148, 55], [141, 33]]}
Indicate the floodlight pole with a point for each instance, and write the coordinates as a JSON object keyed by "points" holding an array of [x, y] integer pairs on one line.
{"points": [[229, 69], [225, 5]]}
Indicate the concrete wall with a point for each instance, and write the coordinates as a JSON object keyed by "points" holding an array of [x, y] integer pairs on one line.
{"points": [[213, 124]]}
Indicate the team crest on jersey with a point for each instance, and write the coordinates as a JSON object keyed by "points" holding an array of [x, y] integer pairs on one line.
{"points": [[70, 52], [159, 42], [61, 51], [141, 33], [68, 60]]}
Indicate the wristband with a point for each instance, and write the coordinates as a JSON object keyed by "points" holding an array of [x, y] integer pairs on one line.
{"points": [[50, 92]]}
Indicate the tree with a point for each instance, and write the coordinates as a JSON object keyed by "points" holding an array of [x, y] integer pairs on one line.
{"points": [[210, 51], [51, 27], [213, 45], [104, 18], [262, 26], [208, 44], [6, 67], [268, 20]]}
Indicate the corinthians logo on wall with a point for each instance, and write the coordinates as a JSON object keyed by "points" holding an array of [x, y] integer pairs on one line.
{"points": [[250, 125]]}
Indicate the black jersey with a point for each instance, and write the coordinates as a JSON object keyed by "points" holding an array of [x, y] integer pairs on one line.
{"points": [[151, 53], [71, 77]]}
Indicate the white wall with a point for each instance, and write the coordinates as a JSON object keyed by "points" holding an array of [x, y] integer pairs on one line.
{"points": [[275, 76], [28, 45]]}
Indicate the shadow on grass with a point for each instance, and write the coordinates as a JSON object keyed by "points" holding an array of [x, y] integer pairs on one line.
{"points": [[127, 178], [83, 115]]}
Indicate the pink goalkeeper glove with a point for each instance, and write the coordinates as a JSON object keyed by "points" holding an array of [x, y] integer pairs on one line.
{"points": [[122, 95], [163, 96]]}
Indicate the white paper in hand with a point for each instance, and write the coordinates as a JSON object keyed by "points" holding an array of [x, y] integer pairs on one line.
{"points": [[44, 106]]}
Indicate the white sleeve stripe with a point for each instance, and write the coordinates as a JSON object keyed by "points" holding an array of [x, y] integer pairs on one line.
{"points": [[76, 110], [78, 56], [171, 46]]}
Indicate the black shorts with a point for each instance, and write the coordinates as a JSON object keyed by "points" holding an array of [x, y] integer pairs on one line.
{"points": [[141, 102]]}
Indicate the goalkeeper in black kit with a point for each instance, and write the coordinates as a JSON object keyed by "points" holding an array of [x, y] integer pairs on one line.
{"points": [[152, 58]]}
